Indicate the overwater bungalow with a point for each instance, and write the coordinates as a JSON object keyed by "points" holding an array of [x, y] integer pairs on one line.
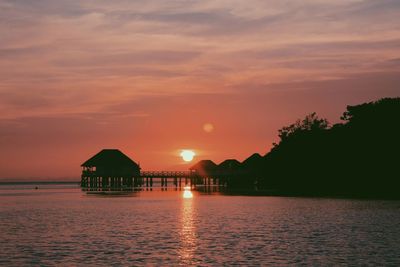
{"points": [[204, 168], [205, 172], [110, 169], [230, 167], [253, 163], [253, 170]]}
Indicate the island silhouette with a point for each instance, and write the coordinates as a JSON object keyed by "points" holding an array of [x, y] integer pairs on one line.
{"points": [[358, 157]]}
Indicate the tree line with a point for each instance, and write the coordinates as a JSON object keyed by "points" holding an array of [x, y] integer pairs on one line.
{"points": [[358, 157]]}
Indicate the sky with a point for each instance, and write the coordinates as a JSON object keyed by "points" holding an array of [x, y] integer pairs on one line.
{"points": [[154, 77]]}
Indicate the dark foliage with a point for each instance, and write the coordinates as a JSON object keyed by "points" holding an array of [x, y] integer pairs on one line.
{"points": [[359, 157]]}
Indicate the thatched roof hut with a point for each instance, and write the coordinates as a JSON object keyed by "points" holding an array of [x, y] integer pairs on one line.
{"points": [[229, 167], [111, 162], [254, 165], [229, 164], [204, 168], [254, 160]]}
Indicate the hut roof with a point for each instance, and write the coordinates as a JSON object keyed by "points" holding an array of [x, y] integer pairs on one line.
{"points": [[252, 160], [205, 165], [229, 164], [110, 158]]}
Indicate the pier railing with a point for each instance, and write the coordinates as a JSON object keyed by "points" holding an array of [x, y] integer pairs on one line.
{"points": [[166, 174], [95, 181]]}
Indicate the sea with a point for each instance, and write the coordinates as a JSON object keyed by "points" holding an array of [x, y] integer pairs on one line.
{"points": [[58, 224]]}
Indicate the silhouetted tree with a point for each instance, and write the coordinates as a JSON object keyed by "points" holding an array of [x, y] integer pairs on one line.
{"points": [[358, 157], [310, 123]]}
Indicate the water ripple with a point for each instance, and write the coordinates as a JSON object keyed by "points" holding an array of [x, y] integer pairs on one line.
{"points": [[67, 228]]}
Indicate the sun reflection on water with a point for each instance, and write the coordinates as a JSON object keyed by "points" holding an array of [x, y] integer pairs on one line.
{"points": [[188, 230], [187, 193]]}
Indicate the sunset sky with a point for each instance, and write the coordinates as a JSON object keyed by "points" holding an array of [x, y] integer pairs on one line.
{"points": [[154, 77]]}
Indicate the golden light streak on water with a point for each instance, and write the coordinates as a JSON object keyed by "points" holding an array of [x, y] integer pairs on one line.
{"points": [[188, 231]]}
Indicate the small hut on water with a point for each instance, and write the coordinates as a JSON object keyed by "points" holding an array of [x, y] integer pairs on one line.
{"points": [[230, 167], [110, 169], [205, 172], [253, 164], [205, 168]]}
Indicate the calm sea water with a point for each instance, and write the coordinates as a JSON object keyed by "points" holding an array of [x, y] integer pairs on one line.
{"points": [[60, 225]]}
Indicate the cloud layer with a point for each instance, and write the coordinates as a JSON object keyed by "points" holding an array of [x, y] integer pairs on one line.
{"points": [[115, 66]]}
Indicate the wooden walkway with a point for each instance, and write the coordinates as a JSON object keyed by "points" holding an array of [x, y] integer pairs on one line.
{"points": [[166, 174], [178, 179]]}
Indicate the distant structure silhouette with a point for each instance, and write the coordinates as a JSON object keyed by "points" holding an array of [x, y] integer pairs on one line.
{"points": [[253, 172], [110, 168], [252, 162], [204, 168], [229, 167], [229, 171], [205, 172]]}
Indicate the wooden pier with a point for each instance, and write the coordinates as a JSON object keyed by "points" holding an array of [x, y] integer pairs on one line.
{"points": [[91, 180], [111, 170]]}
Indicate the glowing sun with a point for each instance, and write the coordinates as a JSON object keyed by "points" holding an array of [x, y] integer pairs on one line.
{"points": [[187, 155]]}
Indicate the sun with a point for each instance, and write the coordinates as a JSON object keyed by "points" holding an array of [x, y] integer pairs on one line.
{"points": [[187, 155]]}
